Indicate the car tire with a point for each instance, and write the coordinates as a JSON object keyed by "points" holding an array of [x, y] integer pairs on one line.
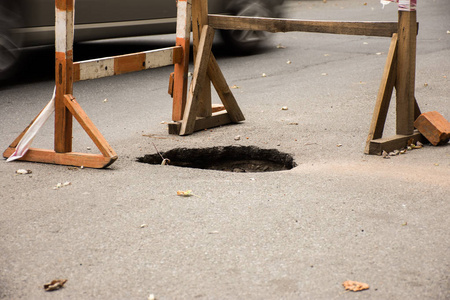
{"points": [[246, 42], [10, 43]]}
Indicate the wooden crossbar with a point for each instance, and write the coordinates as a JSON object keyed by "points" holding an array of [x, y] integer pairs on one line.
{"points": [[121, 64], [382, 29]]}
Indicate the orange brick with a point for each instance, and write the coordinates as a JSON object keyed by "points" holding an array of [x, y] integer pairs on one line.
{"points": [[434, 127]]}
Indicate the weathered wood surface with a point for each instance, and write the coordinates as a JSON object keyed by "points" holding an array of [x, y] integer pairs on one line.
{"points": [[383, 29], [121, 64], [406, 71], [64, 31], [392, 143], [224, 92], [200, 67], [87, 160], [384, 95], [200, 19], [216, 119], [89, 126], [184, 17]]}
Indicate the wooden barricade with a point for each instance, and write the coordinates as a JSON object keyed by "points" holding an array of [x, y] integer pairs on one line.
{"points": [[192, 109], [399, 71]]}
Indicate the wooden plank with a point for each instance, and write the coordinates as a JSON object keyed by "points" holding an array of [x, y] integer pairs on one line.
{"points": [[216, 119], [217, 107], [200, 19], [406, 69], [392, 143], [64, 30], [224, 92], [200, 69], [383, 29], [87, 160], [384, 94], [129, 63], [181, 68], [121, 64], [89, 127]]}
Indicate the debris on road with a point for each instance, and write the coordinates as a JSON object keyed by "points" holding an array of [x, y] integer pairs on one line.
{"points": [[284, 108], [187, 193], [55, 285], [237, 138], [279, 46], [434, 127], [23, 172], [61, 185], [355, 286]]}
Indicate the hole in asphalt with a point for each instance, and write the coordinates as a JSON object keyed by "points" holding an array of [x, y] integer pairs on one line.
{"points": [[228, 158]]}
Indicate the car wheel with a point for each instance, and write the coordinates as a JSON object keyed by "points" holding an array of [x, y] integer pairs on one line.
{"points": [[10, 43], [245, 42]]}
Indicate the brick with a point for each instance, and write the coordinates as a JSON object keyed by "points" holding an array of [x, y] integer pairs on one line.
{"points": [[434, 127]]}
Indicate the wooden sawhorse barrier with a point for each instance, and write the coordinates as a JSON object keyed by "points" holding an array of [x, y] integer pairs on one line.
{"points": [[192, 110], [399, 71], [67, 72]]}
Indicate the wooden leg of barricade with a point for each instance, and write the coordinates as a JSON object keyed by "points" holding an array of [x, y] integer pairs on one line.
{"points": [[184, 16], [198, 111], [200, 19], [66, 106], [399, 72]]}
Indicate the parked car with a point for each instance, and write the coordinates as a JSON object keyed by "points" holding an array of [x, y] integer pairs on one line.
{"points": [[25, 23]]}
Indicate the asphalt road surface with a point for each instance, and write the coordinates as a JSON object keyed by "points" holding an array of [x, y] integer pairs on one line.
{"points": [[123, 233]]}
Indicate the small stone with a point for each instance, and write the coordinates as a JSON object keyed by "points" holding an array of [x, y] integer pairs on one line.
{"points": [[144, 225], [288, 62], [264, 75], [88, 148], [392, 153], [384, 154], [237, 138], [284, 108], [106, 100]]}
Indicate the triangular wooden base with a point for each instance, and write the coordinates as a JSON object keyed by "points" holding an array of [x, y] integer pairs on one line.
{"points": [[97, 161], [375, 143], [206, 64]]}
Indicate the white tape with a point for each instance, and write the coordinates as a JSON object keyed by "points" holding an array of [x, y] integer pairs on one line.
{"points": [[25, 142]]}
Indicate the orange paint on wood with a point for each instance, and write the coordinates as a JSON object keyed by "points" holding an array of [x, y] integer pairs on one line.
{"points": [[129, 63], [180, 81], [66, 5]]}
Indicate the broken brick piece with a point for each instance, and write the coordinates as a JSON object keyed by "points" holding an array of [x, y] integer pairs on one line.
{"points": [[434, 127]]}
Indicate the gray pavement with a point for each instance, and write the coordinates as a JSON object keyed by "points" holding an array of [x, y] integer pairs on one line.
{"points": [[123, 233]]}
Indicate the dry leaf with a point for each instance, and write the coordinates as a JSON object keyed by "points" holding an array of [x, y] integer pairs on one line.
{"points": [[355, 286], [235, 87], [187, 193], [55, 285]]}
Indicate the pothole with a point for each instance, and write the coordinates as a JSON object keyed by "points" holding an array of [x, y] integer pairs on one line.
{"points": [[228, 158]]}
